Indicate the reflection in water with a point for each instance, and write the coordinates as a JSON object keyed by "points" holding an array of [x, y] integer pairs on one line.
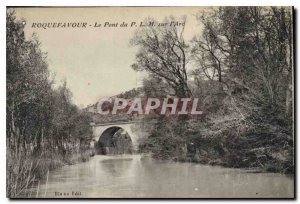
{"points": [[133, 176], [117, 167]]}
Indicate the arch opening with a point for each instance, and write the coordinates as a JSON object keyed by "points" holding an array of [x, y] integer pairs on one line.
{"points": [[114, 140]]}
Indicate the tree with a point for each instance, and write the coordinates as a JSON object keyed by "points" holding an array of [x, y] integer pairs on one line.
{"points": [[28, 86], [248, 50], [163, 52], [251, 47], [41, 121]]}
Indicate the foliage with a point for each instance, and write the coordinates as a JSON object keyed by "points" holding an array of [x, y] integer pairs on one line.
{"points": [[39, 118], [162, 51], [242, 70]]}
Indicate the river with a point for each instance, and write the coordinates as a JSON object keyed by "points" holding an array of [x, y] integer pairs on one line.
{"points": [[134, 176]]}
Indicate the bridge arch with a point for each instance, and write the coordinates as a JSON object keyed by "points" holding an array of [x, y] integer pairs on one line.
{"points": [[103, 136]]}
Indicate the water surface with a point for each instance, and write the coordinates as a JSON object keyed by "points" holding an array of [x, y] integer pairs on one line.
{"points": [[134, 176]]}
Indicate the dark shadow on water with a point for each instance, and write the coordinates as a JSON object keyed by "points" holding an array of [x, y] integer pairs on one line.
{"points": [[116, 160]]}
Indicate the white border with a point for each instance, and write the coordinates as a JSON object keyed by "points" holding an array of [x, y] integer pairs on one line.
{"points": [[4, 3], [151, 3]]}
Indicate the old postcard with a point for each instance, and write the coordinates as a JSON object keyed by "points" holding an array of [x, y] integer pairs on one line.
{"points": [[150, 102]]}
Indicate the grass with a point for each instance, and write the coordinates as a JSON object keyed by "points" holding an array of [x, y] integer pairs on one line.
{"points": [[23, 170]]}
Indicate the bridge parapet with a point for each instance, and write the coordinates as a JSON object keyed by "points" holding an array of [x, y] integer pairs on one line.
{"points": [[115, 123], [113, 118]]}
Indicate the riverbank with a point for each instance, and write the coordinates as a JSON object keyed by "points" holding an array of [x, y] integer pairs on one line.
{"points": [[278, 164], [24, 170], [266, 155], [276, 167]]}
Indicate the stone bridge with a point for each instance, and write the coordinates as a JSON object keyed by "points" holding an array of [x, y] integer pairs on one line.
{"points": [[104, 132]]}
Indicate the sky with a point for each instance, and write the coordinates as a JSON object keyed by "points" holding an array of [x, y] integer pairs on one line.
{"points": [[96, 62]]}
